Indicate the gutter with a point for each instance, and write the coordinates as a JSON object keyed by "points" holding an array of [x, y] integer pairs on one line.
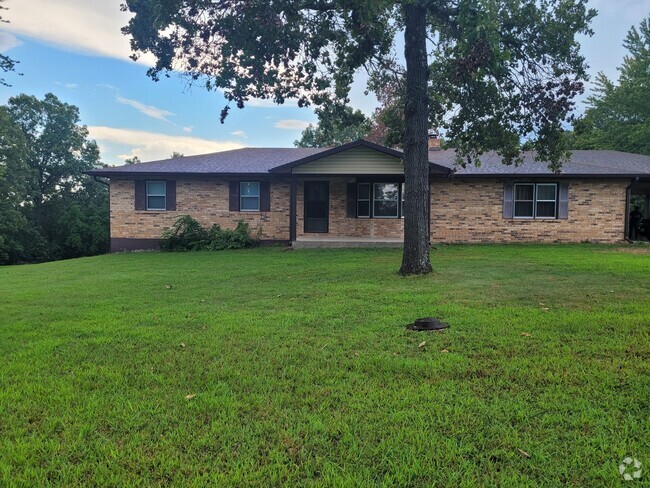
{"points": [[103, 182]]}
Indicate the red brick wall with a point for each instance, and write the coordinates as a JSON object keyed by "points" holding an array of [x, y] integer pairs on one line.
{"points": [[471, 210], [462, 210], [206, 200]]}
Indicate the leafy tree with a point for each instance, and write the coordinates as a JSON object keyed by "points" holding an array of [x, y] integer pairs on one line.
{"points": [[337, 125], [176, 155], [132, 160], [57, 148], [487, 71], [48, 208], [618, 116]]}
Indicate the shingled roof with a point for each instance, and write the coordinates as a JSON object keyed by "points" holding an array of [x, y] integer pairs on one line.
{"points": [[582, 163], [263, 161]]}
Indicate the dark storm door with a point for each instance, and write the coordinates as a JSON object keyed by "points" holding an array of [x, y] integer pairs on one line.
{"points": [[317, 203]]}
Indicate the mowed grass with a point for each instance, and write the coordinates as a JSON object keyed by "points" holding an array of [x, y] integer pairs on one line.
{"points": [[303, 373]]}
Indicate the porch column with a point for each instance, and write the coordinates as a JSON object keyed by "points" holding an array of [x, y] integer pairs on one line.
{"points": [[292, 208]]}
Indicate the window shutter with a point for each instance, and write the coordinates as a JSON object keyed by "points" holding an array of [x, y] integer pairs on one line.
{"points": [[265, 196], [234, 196], [171, 195], [140, 195], [352, 201], [563, 201], [508, 199]]}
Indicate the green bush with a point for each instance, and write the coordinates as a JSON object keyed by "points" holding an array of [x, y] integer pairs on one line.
{"points": [[189, 235]]}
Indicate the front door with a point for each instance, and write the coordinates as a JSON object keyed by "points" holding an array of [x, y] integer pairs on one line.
{"points": [[317, 203]]}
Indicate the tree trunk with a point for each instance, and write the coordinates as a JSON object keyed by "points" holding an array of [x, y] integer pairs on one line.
{"points": [[416, 151]]}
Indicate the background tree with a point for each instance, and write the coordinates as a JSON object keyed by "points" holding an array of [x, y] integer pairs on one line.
{"points": [[618, 115], [49, 208], [337, 124], [132, 160], [176, 155], [487, 71]]}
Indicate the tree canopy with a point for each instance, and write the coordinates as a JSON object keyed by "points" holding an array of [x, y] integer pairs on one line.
{"points": [[48, 208], [618, 114], [488, 72], [336, 125]]}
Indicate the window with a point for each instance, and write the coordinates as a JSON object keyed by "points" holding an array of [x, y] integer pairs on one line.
{"points": [[535, 201], [401, 209], [249, 196], [156, 195], [385, 200], [363, 200]]}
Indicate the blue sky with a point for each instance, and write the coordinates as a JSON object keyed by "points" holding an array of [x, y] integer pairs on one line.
{"points": [[74, 49]]}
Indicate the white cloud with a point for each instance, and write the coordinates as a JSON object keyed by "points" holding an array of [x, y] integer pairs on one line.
{"points": [[70, 86], [149, 110], [187, 129], [88, 26], [8, 41], [151, 146], [238, 133], [106, 86], [291, 124]]}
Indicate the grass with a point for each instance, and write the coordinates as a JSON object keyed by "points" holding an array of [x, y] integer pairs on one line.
{"points": [[304, 375]]}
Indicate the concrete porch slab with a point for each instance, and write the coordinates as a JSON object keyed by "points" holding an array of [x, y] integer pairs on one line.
{"points": [[342, 242]]}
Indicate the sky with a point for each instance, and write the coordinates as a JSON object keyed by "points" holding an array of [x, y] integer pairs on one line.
{"points": [[74, 49]]}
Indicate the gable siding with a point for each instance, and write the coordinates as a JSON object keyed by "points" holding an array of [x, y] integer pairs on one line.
{"points": [[357, 161]]}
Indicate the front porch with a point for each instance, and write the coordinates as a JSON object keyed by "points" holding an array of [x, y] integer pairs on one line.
{"points": [[334, 242]]}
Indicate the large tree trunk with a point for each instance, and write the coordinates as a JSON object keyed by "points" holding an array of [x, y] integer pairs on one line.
{"points": [[416, 151]]}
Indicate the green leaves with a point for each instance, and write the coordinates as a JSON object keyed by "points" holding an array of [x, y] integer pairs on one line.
{"points": [[48, 208], [618, 116]]}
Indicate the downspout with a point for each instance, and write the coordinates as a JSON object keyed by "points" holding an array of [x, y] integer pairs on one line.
{"points": [[628, 195]]}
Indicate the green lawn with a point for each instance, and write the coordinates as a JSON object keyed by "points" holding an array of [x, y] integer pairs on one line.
{"points": [[303, 373]]}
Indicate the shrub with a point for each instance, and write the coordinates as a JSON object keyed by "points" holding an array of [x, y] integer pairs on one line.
{"points": [[189, 235]]}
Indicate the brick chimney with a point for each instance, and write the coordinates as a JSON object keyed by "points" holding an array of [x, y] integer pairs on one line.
{"points": [[434, 140]]}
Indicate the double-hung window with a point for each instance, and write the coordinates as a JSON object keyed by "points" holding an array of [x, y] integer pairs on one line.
{"points": [[380, 200], [385, 200], [156, 195], [363, 200], [535, 200], [249, 196]]}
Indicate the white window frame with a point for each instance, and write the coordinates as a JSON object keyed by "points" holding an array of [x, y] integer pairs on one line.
{"points": [[554, 201], [148, 194], [374, 199], [369, 200], [401, 200], [258, 196], [534, 202]]}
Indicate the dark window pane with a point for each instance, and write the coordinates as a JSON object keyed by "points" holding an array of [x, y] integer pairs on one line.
{"points": [[249, 189], [363, 192], [385, 209], [524, 192], [546, 192], [156, 188], [250, 203], [156, 203], [523, 209], [363, 210], [386, 191], [546, 209]]}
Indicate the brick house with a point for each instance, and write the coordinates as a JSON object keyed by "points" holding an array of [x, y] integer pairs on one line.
{"points": [[353, 194]]}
